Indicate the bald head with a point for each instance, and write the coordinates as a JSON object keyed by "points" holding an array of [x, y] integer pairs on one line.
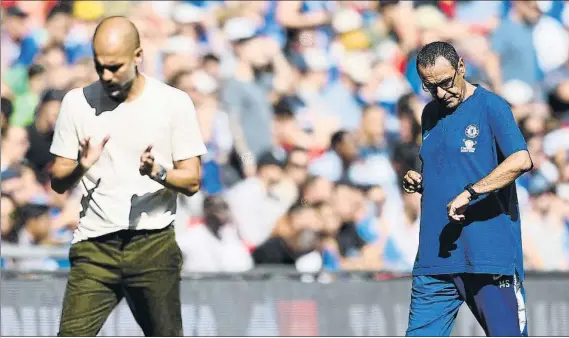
{"points": [[114, 34], [116, 47]]}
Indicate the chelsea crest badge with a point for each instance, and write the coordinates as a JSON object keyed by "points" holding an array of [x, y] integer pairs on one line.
{"points": [[471, 132]]}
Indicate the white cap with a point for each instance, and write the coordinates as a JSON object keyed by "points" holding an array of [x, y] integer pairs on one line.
{"points": [[347, 20], [357, 66], [180, 45], [239, 28], [203, 82], [186, 13], [517, 92], [316, 59]]}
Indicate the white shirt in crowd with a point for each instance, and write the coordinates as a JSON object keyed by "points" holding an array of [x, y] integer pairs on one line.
{"points": [[115, 195], [255, 211], [204, 252]]}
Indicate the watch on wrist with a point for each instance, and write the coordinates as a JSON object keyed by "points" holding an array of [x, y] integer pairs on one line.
{"points": [[160, 175], [473, 194]]}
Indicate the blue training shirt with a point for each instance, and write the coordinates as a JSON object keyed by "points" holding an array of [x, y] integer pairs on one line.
{"points": [[458, 149]]}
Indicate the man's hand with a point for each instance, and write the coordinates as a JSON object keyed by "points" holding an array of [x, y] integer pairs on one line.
{"points": [[457, 207], [412, 182], [89, 154], [147, 164]]}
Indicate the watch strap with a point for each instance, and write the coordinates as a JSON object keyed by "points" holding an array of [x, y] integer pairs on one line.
{"points": [[473, 194]]}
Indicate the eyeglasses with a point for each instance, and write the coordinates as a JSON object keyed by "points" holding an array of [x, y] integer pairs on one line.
{"points": [[444, 85]]}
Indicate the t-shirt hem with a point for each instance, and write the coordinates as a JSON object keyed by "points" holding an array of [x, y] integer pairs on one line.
{"points": [[83, 236], [479, 268]]}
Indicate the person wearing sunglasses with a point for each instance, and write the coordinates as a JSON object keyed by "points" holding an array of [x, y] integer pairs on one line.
{"points": [[470, 246]]}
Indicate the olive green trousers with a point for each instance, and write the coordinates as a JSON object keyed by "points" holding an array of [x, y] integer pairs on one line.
{"points": [[141, 266]]}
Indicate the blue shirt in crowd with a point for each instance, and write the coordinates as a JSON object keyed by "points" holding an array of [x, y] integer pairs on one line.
{"points": [[458, 149]]}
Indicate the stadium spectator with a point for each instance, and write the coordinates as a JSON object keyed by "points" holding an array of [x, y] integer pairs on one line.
{"points": [[215, 245], [259, 201]]}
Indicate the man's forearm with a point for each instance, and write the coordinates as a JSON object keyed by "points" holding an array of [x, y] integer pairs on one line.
{"points": [[183, 181], [65, 178], [506, 173]]}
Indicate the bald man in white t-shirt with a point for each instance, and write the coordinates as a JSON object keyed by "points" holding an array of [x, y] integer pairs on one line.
{"points": [[132, 144]]}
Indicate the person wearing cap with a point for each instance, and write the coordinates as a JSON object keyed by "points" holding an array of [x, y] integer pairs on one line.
{"points": [[470, 245], [244, 95]]}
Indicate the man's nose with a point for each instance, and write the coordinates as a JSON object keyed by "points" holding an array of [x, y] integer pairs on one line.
{"points": [[440, 93], [107, 75]]}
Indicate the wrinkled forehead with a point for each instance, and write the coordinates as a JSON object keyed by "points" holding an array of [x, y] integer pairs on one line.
{"points": [[112, 53], [441, 70]]}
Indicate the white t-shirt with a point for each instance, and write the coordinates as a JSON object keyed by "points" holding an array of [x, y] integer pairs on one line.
{"points": [[115, 195], [204, 252]]}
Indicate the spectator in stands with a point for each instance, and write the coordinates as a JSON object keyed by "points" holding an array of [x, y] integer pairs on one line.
{"points": [[354, 248], [6, 111], [26, 102], [259, 201], [556, 88], [374, 166], [40, 133], [406, 149], [296, 165], [214, 127], [215, 245], [514, 47], [403, 238], [244, 95], [57, 25], [335, 164], [15, 144], [545, 233], [302, 238], [342, 96], [8, 210], [317, 189], [13, 31]]}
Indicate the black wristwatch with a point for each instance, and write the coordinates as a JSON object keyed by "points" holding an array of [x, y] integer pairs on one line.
{"points": [[160, 175], [473, 194]]}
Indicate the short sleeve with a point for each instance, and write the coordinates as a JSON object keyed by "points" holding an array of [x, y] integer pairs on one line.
{"points": [[504, 128], [65, 140], [187, 141]]}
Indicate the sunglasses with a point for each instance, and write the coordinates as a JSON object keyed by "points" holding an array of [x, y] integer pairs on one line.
{"points": [[444, 85]]}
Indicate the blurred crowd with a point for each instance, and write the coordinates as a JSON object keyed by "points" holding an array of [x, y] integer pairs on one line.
{"points": [[310, 111]]}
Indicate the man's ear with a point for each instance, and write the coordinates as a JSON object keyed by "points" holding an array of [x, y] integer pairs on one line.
{"points": [[138, 56], [461, 67]]}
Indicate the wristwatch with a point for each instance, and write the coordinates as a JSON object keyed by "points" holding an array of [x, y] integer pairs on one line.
{"points": [[160, 176], [473, 194]]}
